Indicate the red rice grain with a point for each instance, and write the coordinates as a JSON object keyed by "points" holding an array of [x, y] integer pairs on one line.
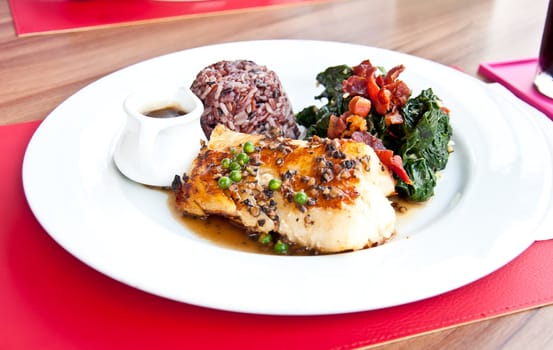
{"points": [[245, 97]]}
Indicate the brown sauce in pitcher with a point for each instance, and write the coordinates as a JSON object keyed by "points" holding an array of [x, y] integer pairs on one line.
{"points": [[166, 112]]}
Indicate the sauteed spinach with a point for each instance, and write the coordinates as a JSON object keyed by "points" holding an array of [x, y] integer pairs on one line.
{"points": [[422, 139]]}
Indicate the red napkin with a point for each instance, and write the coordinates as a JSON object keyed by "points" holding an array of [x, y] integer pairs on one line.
{"points": [[518, 76], [39, 16], [50, 300]]}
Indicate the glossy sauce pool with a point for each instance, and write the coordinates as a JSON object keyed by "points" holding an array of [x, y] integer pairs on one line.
{"points": [[218, 230], [224, 233]]}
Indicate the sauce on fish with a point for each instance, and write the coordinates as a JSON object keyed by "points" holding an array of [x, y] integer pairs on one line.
{"points": [[224, 233]]}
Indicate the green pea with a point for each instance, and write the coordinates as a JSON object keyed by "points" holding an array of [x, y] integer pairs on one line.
{"points": [[224, 182], [265, 238], [235, 175], [281, 247], [300, 198], [225, 163], [274, 184], [235, 166], [242, 158], [249, 147]]}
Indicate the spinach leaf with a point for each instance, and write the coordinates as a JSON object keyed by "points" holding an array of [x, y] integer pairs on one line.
{"points": [[332, 78], [423, 178], [427, 130], [422, 140], [424, 144], [316, 119]]}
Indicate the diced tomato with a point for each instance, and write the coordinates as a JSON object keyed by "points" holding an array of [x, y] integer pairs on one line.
{"points": [[379, 97], [372, 86], [394, 163]]}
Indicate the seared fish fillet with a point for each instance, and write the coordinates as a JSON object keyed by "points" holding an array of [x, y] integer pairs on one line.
{"points": [[345, 183]]}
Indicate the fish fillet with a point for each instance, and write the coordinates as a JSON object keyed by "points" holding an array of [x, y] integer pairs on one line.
{"points": [[346, 185]]}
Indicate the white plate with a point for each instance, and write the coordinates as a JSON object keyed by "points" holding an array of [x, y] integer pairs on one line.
{"points": [[488, 201]]}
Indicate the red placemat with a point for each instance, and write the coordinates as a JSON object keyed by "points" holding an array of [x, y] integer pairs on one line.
{"points": [[518, 76], [40, 16], [50, 300]]}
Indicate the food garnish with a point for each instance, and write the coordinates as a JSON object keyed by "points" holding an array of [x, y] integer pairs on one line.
{"points": [[410, 135]]}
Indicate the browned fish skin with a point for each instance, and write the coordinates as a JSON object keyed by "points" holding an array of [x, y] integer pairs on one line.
{"points": [[328, 171]]}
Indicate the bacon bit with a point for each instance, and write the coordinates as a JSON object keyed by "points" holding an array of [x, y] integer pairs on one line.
{"points": [[359, 106], [393, 118], [393, 74], [400, 93], [336, 126], [363, 68], [368, 139], [355, 85], [386, 92]]}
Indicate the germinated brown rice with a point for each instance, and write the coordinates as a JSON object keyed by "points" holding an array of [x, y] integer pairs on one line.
{"points": [[245, 97]]}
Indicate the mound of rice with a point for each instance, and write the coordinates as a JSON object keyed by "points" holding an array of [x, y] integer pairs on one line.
{"points": [[245, 97]]}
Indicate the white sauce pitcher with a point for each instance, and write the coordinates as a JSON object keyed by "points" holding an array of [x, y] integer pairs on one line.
{"points": [[152, 150]]}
